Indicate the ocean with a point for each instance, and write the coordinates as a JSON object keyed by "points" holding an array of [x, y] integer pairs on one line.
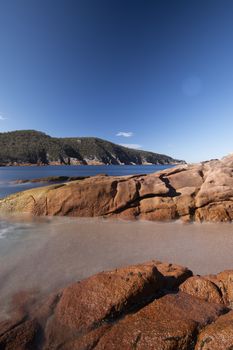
{"points": [[8, 175]]}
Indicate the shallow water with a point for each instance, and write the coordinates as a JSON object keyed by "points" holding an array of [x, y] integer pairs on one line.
{"points": [[45, 254]]}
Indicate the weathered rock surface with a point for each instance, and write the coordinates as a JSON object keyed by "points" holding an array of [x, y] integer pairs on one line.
{"points": [[136, 307], [168, 323], [21, 337], [214, 288], [224, 282], [203, 289], [218, 335], [108, 295], [201, 192]]}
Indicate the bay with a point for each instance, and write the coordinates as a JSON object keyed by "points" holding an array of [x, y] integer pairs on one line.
{"points": [[8, 175]]}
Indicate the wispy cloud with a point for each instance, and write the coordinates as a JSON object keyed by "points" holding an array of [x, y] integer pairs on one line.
{"points": [[125, 133], [2, 118], [131, 145]]}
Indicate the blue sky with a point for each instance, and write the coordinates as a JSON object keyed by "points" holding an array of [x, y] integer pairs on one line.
{"points": [[151, 74]]}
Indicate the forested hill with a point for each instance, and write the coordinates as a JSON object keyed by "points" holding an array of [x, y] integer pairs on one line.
{"points": [[34, 147]]}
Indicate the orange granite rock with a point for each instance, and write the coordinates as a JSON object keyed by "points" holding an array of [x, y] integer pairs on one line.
{"points": [[167, 324], [132, 307], [203, 289], [201, 192], [217, 335]]}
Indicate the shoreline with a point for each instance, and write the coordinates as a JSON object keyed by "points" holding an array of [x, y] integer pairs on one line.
{"points": [[86, 246], [194, 192], [91, 164]]}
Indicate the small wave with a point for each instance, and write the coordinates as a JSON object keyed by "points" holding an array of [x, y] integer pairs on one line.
{"points": [[4, 231], [10, 230]]}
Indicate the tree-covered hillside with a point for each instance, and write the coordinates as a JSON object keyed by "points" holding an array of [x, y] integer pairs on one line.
{"points": [[34, 147]]}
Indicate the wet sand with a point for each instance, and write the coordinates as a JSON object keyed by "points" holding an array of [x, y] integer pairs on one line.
{"points": [[46, 254]]}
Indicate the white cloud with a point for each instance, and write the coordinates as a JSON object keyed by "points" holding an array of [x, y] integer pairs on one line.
{"points": [[125, 133], [2, 118], [131, 145]]}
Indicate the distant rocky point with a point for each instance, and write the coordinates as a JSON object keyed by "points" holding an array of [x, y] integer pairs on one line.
{"points": [[194, 192], [52, 179], [29, 147]]}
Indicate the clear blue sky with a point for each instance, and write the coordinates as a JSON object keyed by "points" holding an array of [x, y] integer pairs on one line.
{"points": [[161, 71]]}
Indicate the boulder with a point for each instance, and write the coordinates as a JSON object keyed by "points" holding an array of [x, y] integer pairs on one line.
{"points": [[218, 335], [22, 337], [109, 294], [134, 307], [224, 282], [152, 184], [166, 324], [157, 209], [173, 274], [203, 289], [225, 279], [85, 305]]}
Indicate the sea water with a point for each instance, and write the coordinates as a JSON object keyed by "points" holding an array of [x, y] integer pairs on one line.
{"points": [[8, 175]]}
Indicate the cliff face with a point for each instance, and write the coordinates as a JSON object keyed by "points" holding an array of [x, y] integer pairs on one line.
{"points": [[33, 147], [201, 192]]}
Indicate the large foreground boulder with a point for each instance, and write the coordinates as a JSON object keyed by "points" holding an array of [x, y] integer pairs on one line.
{"points": [[151, 306], [201, 192], [169, 323]]}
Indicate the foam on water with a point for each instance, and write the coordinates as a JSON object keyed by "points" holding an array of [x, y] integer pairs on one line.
{"points": [[11, 230]]}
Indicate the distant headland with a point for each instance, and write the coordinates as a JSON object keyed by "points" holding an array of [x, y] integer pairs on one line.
{"points": [[30, 147]]}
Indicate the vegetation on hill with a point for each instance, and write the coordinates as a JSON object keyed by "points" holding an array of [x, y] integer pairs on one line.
{"points": [[34, 147]]}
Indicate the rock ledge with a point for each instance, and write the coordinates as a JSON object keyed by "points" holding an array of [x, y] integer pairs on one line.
{"points": [[195, 192]]}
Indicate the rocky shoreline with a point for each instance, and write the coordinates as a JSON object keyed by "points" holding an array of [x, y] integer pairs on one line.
{"points": [[148, 306], [86, 163], [154, 305], [195, 192]]}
